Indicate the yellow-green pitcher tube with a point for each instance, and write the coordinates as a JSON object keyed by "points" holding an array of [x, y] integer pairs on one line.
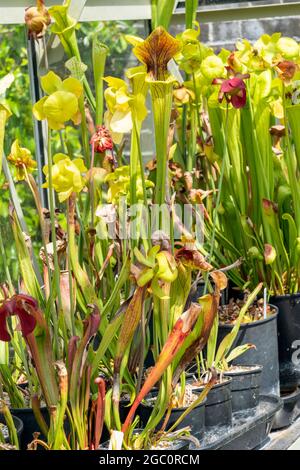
{"points": [[99, 54], [161, 94], [139, 88]]}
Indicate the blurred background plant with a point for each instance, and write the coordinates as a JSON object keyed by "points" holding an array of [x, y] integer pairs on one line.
{"points": [[13, 59]]}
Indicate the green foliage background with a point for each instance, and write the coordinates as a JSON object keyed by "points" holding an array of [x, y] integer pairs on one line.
{"points": [[13, 58]]}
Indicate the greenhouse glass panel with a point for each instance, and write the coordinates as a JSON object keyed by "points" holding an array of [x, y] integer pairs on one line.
{"points": [[232, 20]]}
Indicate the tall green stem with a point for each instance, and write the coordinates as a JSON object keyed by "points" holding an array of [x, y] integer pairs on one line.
{"points": [[292, 167], [219, 190], [136, 169], [162, 11], [53, 236], [190, 12], [183, 132], [5, 265], [161, 93], [84, 131], [33, 188], [99, 54]]}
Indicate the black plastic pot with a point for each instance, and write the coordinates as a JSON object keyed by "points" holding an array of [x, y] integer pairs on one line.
{"points": [[233, 292], [250, 428], [18, 425], [195, 419], [290, 411], [198, 290], [263, 334], [218, 406], [288, 340], [191, 371], [245, 387], [30, 423], [125, 408]]}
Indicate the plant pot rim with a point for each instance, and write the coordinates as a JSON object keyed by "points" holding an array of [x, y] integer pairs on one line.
{"points": [[19, 425], [183, 408], [290, 396], [284, 296], [253, 323], [249, 369], [226, 381], [26, 410]]}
